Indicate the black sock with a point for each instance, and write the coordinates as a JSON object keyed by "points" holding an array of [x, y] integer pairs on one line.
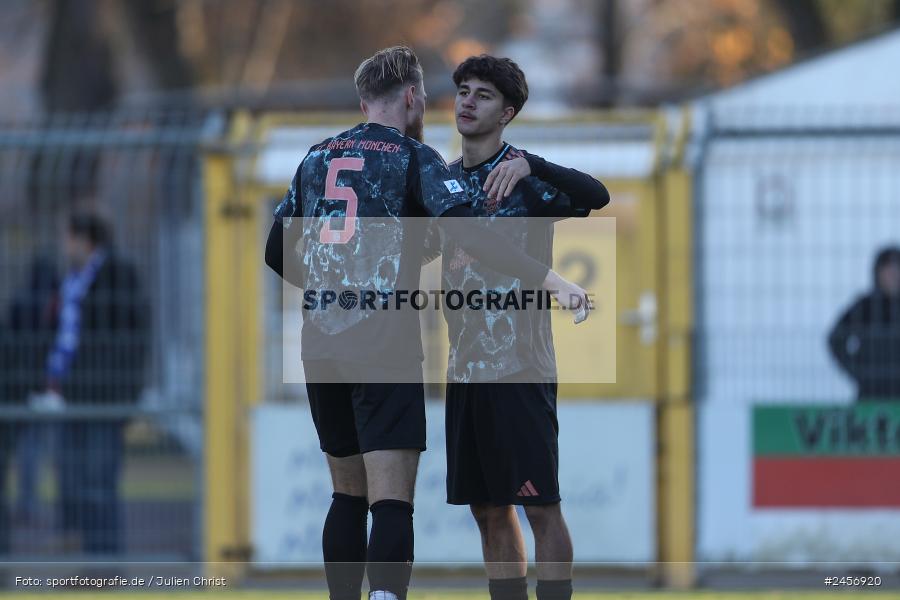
{"points": [[554, 589], [344, 546], [390, 553], [508, 589]]}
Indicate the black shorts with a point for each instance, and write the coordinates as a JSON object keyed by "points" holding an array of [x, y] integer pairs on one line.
{"points": [[502, 443], [354, 418]]}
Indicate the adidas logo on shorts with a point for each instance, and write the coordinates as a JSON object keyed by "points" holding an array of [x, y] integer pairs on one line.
{"points": [[527, 490]]}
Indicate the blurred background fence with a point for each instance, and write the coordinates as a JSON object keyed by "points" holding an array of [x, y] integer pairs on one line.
{"points": [[754, 415], [113, 471], [218, 462], [749, 422], [798, 333], [743, 236]]}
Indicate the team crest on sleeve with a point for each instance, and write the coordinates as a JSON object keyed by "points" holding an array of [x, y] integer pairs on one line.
{"points": [[453, 186]]}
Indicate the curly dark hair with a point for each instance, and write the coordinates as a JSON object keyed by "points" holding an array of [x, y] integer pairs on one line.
{"points": [[503, 73]]}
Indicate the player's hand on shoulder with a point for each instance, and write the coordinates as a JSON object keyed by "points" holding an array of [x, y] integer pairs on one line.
{"points": [[503, 178]]}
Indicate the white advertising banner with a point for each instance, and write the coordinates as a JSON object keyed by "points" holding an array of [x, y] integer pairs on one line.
{"points": [[607, 482]]}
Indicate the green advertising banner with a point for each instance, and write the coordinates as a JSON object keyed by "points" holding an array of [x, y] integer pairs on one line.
{"points": [[826, 456], [864, 429]]}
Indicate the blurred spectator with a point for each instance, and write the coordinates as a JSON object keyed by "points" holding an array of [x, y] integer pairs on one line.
{"points": [[24, 343], [865, 341], [97, 360], [31, 327]]}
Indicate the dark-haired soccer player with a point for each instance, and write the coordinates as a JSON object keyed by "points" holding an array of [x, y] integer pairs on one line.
{"points": [[346, 219], [502, 430]]}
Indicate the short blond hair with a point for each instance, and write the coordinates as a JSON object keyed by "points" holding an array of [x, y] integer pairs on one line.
{"points": [[386, 71]]}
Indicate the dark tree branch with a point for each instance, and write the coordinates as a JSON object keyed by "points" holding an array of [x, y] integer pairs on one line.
{"points": [[610, 46], [78, 68], [805, 22], [154, 25]]}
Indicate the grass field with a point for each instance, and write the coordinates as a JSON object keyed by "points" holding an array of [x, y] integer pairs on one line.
{"points": [[468, 595]]}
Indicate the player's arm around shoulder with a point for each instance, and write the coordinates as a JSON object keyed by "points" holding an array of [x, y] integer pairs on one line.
{"points": [[584, 191]]}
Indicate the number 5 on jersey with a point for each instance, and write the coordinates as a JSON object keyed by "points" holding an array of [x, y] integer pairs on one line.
{"points": [[333, 191]]}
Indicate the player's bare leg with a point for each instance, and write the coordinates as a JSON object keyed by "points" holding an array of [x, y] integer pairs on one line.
{"points": [[553, 551], [501, 541], [348, 475], [391, 474], [391, 482]]}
